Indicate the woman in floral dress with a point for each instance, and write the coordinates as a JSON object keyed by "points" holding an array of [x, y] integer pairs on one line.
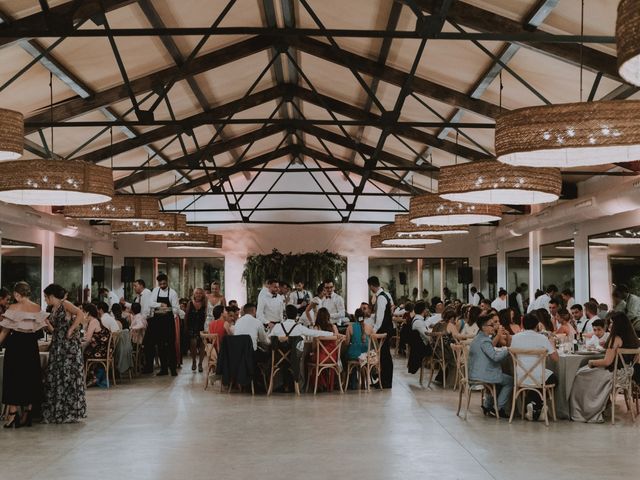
{"points": [[64, 382]]}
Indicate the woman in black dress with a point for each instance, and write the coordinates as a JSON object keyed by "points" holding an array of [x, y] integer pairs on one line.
{"points": [[22, 377], [195, 316]]}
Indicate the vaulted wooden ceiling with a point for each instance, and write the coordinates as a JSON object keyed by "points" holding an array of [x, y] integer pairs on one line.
{"points": [[302, 111]]}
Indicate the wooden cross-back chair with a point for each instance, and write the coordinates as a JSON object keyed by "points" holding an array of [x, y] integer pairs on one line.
{"points": [[376, 340], [329, 362], [531, 379], [107, 362], [623, 380], [211, 347], [281, 361], [437, 360], [461, 353]]}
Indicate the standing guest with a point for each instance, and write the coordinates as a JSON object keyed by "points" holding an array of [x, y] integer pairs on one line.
{"points": [[579, 321], [603, 310], [138, 324], [22, 377], [599, 337], [299, 297], [543, 300], [485, 365], [271, 308], [220, 324], [5, 296], [592, 385], [485, 306], [516, 302], [285, 291], [195, 316], [109, 297], [161, 332], [312, 309], [383, 324], [106, 319], [143, 297], [64, 380], [554, 308], [121, 320], [248, 324], [333, 302], [529, 339], [628, 303], [96, 338], [216, 297], [475, 296], [567, 298], [500, 303], [565, 327]]}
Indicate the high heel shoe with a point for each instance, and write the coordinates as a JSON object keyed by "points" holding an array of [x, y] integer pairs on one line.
{"points": [[27, 421], [488, 412], [15, 421]]}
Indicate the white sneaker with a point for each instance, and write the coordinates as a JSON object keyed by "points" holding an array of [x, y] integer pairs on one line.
{"points": [[477, 388], [529, 413]]}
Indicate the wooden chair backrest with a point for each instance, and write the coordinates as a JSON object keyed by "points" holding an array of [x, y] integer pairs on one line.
{"points": [[113, 342], [461, 354], [533, 376], [212, 345], [332, 354], [278, 354], [437, 342], [622, 364], [376, 340]]}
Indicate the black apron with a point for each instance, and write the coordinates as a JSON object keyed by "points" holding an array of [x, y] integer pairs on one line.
{"points": [[386, 362], [162, 336]]}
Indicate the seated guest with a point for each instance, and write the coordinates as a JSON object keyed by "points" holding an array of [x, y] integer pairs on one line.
{"points": [[220, 324], [357, 336], [105, 319], [592, 385], [485, 365], [590, 315], [485, 305], [470, 329], [599, 337], [505, 317], [419, 324], [436, 317], [120, 318], [233, 312], [529, 339], [291, 328], [248, 324], [603, 309], [96, 338], [138, 323], [323, 321], [565, 327], [544, 317], [578, 321]]}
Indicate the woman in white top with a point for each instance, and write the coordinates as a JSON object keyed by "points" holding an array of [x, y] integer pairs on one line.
{"points": [[310, 313], [214, 299], [470, 329]]}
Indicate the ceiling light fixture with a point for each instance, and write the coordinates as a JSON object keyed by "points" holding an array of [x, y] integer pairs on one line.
{"points": [[163, 224], [121, 208], [376, 244], [405, 227], [193, 235], [628, 40], [11, 134], [430, 209], [389, 236], [214, 243], [496, 183]]}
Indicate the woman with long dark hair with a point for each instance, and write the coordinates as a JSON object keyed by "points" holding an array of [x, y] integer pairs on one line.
{"points": [[64, 382], [593, 382], [22, 378]]}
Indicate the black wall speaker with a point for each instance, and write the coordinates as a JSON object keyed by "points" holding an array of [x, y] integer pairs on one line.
{"points": [[492, 275], [403, 278], [465, 275], [127, 274]]}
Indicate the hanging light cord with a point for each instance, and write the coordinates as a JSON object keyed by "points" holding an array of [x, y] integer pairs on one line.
{"points": [[51, 109], [500, 93], [581, 45]]}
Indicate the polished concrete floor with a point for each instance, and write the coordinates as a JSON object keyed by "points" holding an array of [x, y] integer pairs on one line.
{"points": [[165, 428]]}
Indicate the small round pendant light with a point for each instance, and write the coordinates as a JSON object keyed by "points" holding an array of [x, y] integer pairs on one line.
{"points": [[430, 209], [163, 224], [404, 227], [376, 244], [192, 235], [213, 243]]}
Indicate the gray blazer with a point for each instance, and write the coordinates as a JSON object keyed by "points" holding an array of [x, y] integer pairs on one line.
{"points": [[484, 360]]}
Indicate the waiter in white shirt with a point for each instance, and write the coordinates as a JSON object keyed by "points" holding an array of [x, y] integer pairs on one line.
{"points": [[161, 329], [109, 297], [543, 300], [299, 297], [271, 307], [500, 303], [333, 302], [383, 324], [143, 297], [475, 296]]}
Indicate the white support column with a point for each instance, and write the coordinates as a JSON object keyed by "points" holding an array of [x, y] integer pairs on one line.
{"points": [[234, 286], [357, 274], [48, 251], [535, 276], [501, 264], [87, 268], [581, 265]]}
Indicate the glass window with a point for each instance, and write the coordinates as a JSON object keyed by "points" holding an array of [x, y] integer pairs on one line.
{"points": [[518, 271], [398, 276], [431, 285], [200, 272], [557, 265], [488, 275], [67, 272], [22, 261], [142, 268], [102, 274], [614, 259], [453, 290]]}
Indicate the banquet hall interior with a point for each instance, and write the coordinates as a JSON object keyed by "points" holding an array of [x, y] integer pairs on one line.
{"points": [[440, 167]]}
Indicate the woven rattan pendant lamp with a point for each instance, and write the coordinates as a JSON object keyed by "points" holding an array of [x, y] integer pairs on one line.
{"points": [[121, 208], [192, 235], [163, 224], [404, 227], [11, 134], [628, 40], [430, 209], [213, 243], [496, 183], [389, 236], [376, 244]]}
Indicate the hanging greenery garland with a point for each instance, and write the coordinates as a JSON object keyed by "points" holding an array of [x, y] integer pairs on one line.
{"points": [[311, 267]]}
